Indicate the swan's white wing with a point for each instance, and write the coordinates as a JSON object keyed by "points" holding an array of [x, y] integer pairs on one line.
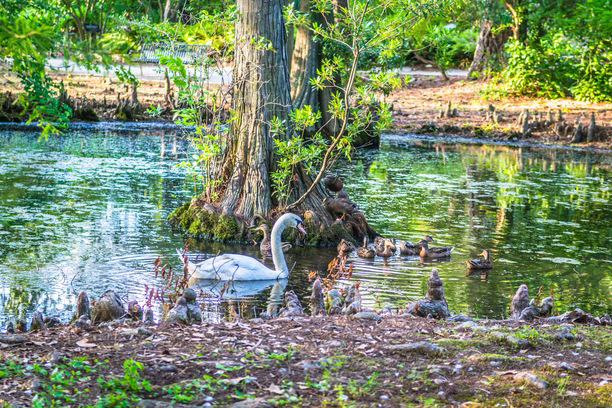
{"points": [[234, 267]]}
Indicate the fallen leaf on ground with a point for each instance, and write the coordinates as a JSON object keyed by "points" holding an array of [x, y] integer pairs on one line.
{"points": [[83, 343], [275, 389]]}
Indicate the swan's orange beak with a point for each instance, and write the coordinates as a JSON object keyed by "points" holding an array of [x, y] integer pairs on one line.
{"points": [[300, 228]]}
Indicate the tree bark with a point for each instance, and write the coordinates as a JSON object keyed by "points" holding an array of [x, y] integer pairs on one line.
{"points": [[489, 48], [261, 93], [306, 59], [168, 12]]}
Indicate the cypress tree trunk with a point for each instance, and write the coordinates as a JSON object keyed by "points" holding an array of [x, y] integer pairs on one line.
{"points": [[261, 94], [306, 59], [489, 48]]}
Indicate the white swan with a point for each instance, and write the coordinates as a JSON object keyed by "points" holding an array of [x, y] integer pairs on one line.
{"points": [[240, 267]]}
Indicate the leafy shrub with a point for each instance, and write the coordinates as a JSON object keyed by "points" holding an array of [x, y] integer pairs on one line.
{"points": [[595, 85], [543, 72]]}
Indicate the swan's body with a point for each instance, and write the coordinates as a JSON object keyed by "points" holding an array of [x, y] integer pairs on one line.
{"points": [[236, 289], [237, 267]]}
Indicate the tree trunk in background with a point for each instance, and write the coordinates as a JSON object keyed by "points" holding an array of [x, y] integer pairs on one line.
{"points": [[489, 48], [290, 38], [306, 59], [168, 13]]}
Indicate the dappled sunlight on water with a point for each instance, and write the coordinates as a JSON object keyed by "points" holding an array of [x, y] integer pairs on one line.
{"points": [[545, 214], [87, 211]]}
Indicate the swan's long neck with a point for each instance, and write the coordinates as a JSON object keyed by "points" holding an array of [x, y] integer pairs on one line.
{"points": [[277, 250]]}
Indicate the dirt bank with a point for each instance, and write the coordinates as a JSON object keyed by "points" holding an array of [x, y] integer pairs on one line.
{"points": [[335, 361], [418, 104], [416, 108]]}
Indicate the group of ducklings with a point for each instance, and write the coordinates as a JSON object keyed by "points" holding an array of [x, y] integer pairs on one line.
{"points": [[385, 247]]}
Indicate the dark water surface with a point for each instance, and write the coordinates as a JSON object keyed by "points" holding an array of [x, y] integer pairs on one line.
{"points": [[87, 211]]}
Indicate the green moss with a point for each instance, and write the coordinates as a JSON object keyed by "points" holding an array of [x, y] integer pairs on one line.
{"points": [[492, 357], [194, 227], [122, 116], [226, 228]]}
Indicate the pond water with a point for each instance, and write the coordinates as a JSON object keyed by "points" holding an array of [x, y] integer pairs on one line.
{"points": [[87, 211]]}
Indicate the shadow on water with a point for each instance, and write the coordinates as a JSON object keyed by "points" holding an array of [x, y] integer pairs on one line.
{"points": [[87, 211]]}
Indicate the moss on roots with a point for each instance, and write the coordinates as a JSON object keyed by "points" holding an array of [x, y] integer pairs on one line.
{"points": [[202, 221]]}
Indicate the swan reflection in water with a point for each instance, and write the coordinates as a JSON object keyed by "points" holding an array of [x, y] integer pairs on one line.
{"points": [[238, 297]]}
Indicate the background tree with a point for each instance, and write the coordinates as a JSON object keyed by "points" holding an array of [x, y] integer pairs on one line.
{"points": [[270, 163], [492, 38]]}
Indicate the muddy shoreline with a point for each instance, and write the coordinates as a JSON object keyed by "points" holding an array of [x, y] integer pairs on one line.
{"points": [[419, 108], [397, 135]]}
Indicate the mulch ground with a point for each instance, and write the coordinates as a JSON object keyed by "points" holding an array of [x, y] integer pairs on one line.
{"points": [[418, 103], [310, 361], [416, 107]]}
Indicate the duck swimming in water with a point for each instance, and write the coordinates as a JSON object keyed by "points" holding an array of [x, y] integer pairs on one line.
{"points": [[410, 249], [480, 263], [265, 247], [366, 251], [434, 253]]}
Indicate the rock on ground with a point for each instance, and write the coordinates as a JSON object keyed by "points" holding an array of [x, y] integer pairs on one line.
{"points": [[107, 308]]}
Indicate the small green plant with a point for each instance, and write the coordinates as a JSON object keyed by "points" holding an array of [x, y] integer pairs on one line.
{"points": [[528, 333], [126, 76], [562, 385], [10, 369], [281, 357], [59, 386], [131, 380], [154, 111]]}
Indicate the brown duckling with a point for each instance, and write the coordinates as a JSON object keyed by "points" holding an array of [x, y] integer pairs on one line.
{"points": [[433, 253], [340, 206], [480, 263], [380, 242], [333, 183], [387, 251], [366, 251], [410, 249], [345, 247], [265, 247]]}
